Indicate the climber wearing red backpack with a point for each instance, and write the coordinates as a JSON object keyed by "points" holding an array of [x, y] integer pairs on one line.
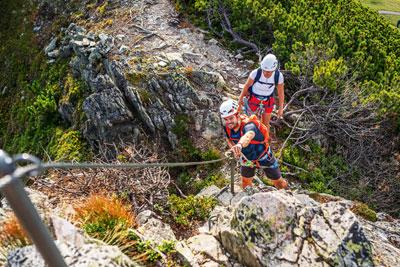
{"points": [[248, 139], [260, 87]]}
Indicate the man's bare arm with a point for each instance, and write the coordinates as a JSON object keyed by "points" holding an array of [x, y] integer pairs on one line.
{"points": [[281, 95], [246, 138]]}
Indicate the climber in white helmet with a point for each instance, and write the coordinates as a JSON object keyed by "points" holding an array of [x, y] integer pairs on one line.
{"points": [[248, 139], [260, 87]]}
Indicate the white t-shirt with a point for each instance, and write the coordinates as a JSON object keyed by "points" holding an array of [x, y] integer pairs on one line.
{"points": [[267, 86]]}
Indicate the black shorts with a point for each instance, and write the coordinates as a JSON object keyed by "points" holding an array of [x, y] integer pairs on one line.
{"points": [[273, 172]]}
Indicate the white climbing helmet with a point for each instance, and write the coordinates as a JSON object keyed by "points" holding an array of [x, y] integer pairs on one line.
{"points": [[228, 108], [269, 63]]}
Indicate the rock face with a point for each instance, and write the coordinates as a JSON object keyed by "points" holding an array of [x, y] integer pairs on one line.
{"points": [[65, 232], [156, 231], [279, 229], [122, 99], [385, 239], [207, 250], [86, 255]]}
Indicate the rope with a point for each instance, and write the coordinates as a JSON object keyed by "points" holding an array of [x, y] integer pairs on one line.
{"points": [[38, 166], [66, 165]]}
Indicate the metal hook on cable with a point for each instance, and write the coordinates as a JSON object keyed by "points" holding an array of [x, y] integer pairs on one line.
{"points": [[12, 188], [34, 168], [7, 165], [229, 154]]}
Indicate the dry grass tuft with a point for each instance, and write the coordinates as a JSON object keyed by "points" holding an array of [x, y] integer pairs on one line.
{"points": [[99, 214], [12, 236], [12, 232]]}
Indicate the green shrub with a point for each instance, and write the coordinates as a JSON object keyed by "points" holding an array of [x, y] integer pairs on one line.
{"points": [[320, 169], [330, 73], [32, 118], [69, 145], [29, 108], [36, 126], [210, 154], [191, 208], [145, 252], [217, 179]]}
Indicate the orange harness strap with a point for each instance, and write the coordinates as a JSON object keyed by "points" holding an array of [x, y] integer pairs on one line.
{"points": [[259, 125]]}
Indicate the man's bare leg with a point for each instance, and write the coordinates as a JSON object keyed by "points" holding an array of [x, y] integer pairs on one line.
{"points": [[266, 117]]}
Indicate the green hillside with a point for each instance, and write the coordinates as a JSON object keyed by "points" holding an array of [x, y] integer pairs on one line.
{"points": [[392, 5], [389, 5]]}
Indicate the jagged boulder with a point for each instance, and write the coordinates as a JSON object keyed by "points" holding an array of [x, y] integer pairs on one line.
{"points": [[207, 250], [209, 191], [385, 239], [208, 123], [86, 255], [279, 229], [66, 232], [156, 231], [107, 116], [115, 105]]}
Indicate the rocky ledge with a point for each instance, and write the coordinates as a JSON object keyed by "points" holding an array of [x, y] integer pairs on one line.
{"points": [[281, 228]]}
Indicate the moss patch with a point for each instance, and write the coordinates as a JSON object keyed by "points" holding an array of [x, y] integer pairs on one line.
{"points": [[145, 96], [362, 209], [69, 145], [135, 77], [73, 89]]}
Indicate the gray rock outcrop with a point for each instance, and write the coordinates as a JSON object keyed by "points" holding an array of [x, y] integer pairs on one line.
{"points": [[86, 255], [116, 107], [278, 229], [156, 231], [207, 250], [384, 236]]}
